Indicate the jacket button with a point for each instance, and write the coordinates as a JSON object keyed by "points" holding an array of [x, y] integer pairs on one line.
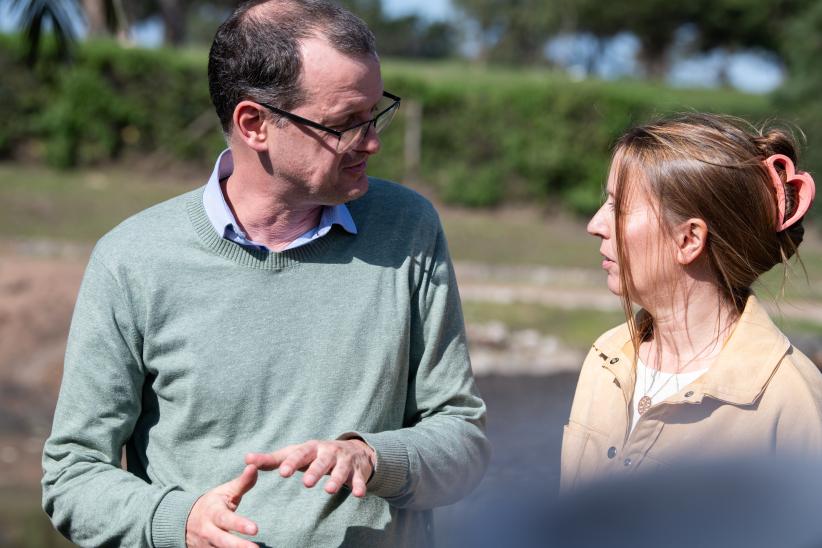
{"points": [[611, 452], [613, 360], [627, 462], [689, 393]]}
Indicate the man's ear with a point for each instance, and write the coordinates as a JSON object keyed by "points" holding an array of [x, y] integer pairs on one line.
{"points": [[691, 239], [251, 125]]}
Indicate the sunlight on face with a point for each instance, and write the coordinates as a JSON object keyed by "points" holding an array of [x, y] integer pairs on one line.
{"points": [[645, 244]]}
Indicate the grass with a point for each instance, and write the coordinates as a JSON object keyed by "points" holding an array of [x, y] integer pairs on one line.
{"points": [[797, 285], [80, 206], [523, 237], [801, 327], [575, 328], [23, 523], [579, 328]]}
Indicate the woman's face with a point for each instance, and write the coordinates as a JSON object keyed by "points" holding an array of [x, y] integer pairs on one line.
{"points": [[647, 247]]}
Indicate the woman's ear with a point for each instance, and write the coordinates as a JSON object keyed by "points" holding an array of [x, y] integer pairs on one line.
{"points": [[691, 239]]}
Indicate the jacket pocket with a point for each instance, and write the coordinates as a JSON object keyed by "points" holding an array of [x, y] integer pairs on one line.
{"points": [[652, 464], [586, 453], [575, 438]]}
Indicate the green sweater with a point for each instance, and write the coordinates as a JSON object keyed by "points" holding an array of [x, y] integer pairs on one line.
{"points": [[189, 350]]}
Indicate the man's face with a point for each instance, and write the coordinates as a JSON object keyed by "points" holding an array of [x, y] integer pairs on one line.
{"points": [[340, 91]]}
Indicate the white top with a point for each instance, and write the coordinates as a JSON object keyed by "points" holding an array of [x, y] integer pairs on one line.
{"points": [[658, 385]]}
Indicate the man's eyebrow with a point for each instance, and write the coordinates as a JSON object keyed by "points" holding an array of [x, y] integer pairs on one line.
{"points": [[345, 118], [342, 115]]}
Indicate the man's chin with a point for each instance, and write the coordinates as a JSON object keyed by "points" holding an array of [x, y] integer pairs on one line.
{"points": [[357, 188]]}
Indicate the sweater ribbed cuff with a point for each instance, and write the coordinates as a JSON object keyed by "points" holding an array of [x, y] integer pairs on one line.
{"points": [[168, 526], [391, 474]]}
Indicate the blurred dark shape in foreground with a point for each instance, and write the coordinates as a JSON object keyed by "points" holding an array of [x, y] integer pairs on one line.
{"points": [[744, 503]]}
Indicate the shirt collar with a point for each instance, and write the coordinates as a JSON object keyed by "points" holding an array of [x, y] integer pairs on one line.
{"points": [[224, 222], [220, 215], [749, 359], [742, 369]]}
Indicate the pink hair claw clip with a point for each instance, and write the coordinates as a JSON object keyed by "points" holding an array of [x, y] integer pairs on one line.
{"points": [[801, 180]]}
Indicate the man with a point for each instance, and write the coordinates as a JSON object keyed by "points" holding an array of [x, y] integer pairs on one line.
{"points": [[291, 313]]}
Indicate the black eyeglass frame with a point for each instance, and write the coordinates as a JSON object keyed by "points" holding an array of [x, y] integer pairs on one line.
{"points": [[338, 133]]}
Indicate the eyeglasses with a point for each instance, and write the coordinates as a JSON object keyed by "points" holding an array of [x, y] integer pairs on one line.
{"points": [[350, 137]]}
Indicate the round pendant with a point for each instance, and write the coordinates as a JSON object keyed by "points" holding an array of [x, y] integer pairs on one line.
{"points": [[644, 404]]}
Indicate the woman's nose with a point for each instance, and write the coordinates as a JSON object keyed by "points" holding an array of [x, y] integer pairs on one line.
{"points": [[598, 225]]}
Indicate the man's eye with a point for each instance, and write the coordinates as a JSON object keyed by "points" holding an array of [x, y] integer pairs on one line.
{"points": [[347, 123]]}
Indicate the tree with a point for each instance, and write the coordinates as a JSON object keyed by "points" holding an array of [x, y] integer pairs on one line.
{"points": [[515, 31], [106, 17], [654, 22], [727, 24], [801, 42], [407, 36], [747, 23], [35, 16], [177, 15]]}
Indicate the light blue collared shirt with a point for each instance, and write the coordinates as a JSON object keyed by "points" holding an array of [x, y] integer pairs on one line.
{"points": [[224, 222]]}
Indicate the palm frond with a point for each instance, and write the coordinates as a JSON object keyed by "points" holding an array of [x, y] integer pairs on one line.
{"points": [[34, 16]]}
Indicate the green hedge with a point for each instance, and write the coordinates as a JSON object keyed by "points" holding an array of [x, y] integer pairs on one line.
{"points": [[492, 134], [109, 101], [489, 134]]}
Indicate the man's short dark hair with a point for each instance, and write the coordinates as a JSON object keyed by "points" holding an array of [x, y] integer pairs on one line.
{"points": [[256, 51]]}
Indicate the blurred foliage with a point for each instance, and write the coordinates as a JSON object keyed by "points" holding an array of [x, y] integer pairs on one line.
{"points": [[802, 47], [489, 135], [406, 36], [36, 16], [516, 31], [108, 101], [492, 135]]}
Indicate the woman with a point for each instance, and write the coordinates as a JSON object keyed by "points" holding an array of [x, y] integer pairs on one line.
{"points": [[698, 208]]}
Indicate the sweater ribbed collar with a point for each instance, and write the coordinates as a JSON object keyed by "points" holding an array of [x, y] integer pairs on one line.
{"points": [[253, 258]]}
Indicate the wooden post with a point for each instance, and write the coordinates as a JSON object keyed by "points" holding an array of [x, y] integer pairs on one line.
{"points": [[413, 140]]}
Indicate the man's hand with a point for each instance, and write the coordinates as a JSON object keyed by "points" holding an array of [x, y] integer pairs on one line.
{"points": [[348, 462], [213, 515]]}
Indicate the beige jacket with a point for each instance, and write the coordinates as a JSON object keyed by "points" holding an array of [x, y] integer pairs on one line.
{"points": [[762, 396]]}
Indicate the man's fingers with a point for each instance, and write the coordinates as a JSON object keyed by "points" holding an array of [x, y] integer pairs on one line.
{"points": [[300, 457], [229, 521], [218, 537], [269, 461], [339, 476], [358, 482], [240, 485], [348, 462], [318, 468]]}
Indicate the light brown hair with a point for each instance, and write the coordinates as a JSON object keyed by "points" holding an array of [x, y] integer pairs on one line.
{"points": [[708, 167]]}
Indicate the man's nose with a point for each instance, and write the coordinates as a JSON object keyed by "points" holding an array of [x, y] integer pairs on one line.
{"points": [[370, 142]]}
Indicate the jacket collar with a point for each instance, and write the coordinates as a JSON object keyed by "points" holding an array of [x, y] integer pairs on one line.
{"points": [[739, 374]]}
